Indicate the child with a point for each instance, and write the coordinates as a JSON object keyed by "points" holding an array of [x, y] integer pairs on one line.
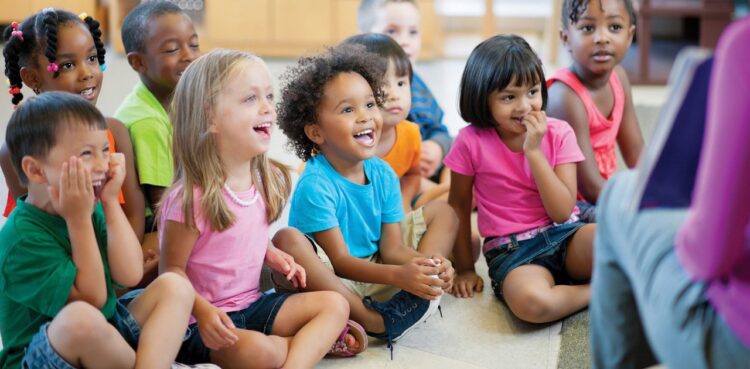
{"points": [[160, 41], [400, 20], [672, 285], [74, 63], [595, 96], [214, 226], [348, 202], [68, 242], [520, 166]]}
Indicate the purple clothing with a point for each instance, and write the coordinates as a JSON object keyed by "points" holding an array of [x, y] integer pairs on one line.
{"points": [[714, 242]]}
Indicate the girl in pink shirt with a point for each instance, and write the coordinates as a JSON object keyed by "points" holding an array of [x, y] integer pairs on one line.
{"points": [[521, 167], [593, 94], [214, 227]]}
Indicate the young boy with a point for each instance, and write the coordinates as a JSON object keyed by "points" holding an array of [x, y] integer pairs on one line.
{"points": [[348, 201], [160, 42], [62, 252], [400, 20]]}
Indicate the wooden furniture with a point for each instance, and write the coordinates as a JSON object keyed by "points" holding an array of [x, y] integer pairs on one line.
{"points": [[18, 10], [291, 28], [713, 15]]}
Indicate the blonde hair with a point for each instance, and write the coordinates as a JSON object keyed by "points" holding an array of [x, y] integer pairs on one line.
{"points": [[196, 156], [367, 12]]}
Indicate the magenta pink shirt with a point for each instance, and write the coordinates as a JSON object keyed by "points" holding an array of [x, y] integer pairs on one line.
{"points": [[508, 200], [224, 267]]}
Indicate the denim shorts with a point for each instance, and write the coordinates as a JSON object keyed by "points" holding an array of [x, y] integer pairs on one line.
{"points": [[547, 249], [587, 211], [40, 354], [259, 316]]}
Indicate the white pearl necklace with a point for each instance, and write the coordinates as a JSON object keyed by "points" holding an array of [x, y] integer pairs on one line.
{"points": [[237, 200]]}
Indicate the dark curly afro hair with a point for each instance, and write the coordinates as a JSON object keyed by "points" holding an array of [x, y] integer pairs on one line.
{"points": [[305, 82]]}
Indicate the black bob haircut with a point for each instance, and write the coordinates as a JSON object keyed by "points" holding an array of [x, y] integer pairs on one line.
{"points": [[492, 66], [386, 47], [34, 127]]}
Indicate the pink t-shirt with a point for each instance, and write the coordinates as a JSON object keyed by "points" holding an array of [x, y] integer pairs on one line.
{"points": [[224, 267], [508, 200]]}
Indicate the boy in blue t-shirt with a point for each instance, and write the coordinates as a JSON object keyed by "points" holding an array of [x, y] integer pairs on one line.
{"points": [[61, 252], [348, 201]]}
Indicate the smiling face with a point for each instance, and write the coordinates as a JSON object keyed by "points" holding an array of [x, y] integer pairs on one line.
{"points": [[244, 113], [349, 120], [79, 70], [397, 99], [85, 142], [509, 105], [601, 37], [171, 45], [401, 22]]}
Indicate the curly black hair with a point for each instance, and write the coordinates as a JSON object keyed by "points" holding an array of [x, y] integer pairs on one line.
{"points": [[305, 83], [573, 9], [39, 35]]}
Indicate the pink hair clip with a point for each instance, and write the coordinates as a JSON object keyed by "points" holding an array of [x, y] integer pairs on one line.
{"points": [[14, 90], [52, 67], [16, 32]]}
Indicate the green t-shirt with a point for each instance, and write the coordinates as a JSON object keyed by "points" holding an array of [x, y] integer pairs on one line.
{"points": [[151, 134], [37, 273]]}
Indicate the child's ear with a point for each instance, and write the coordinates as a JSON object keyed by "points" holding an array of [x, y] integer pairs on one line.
{"points": [[31, 78], [32, 168], [313, 132], [631, 33], [136, 61], [564, 38]]}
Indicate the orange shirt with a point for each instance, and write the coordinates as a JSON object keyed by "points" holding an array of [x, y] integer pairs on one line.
{"points": [[406, 151], [11, 203]]}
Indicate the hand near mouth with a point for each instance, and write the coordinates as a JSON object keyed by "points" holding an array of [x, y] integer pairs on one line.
{"points": [[536, 126], [115, 178]]}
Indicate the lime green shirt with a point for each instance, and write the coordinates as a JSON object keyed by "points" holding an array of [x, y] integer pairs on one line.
{"points": [[37, 273], [151, 134]]}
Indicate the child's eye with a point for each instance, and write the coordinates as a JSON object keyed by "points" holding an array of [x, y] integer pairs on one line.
{"points": [[401, 83], [533, 92], [587, 28], [414, 32], [347, 109], [92, 59], [615, 27], [506, 98], [172, 51], [270, 97], [390, 31], [85, 153], [195, 46], [251, 98], [67, 66], [371, 105]]}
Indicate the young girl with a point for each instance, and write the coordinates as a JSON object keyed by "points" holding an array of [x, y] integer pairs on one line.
{"points": [[55, 50], [594, 96], [214, 226], [521, 168]]}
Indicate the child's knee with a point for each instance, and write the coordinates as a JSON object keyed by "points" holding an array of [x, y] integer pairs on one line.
{"points": [[173, 287], [333, 302], [79, 321], [531, 305], [439, 210], [290, 240]]}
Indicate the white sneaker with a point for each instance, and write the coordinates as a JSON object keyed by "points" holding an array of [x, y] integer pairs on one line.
{"points": [[195, 366]]}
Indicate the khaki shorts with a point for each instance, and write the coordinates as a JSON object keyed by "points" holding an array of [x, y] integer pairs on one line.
{"points": [[412, 228]]}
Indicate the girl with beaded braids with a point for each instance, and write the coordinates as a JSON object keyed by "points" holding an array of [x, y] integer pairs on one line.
{"points": [[56, 50]]}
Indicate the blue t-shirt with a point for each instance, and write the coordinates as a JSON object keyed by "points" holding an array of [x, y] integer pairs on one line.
{"points": [[324, 199]]}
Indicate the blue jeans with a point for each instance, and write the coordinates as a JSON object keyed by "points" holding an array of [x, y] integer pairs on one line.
{"points": [[645, 308], [41, 354]]}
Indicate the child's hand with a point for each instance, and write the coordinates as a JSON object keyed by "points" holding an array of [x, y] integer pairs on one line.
{"points": [[115, 177], [215, 328], [432, 154], [536, 126], [284, 263], [416, 277], [445, 271], [74, 198], [466, 284]]}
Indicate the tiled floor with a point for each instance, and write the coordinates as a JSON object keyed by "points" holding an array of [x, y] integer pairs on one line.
{"points": [[475, 333]]}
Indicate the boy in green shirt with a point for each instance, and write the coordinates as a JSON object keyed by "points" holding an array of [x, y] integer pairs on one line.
{"points": [[160, 42], [66, 246]]}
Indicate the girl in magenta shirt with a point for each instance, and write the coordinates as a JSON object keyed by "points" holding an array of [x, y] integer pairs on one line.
{"points": [[214, 227], [521, 167]]}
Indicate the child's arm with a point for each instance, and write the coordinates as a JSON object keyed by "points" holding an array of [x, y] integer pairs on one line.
{"points": [[11, 178], [411, 276], [629, 137], [74, 202], [460, 196], [409, 187], [123, 247], [214, 324], [565, 105], [284, 263], [557, 186], [154, 194], [135, 204]]}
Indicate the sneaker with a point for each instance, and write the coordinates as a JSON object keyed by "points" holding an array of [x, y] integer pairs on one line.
{"points": [[401, 314], [194, 366]]}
